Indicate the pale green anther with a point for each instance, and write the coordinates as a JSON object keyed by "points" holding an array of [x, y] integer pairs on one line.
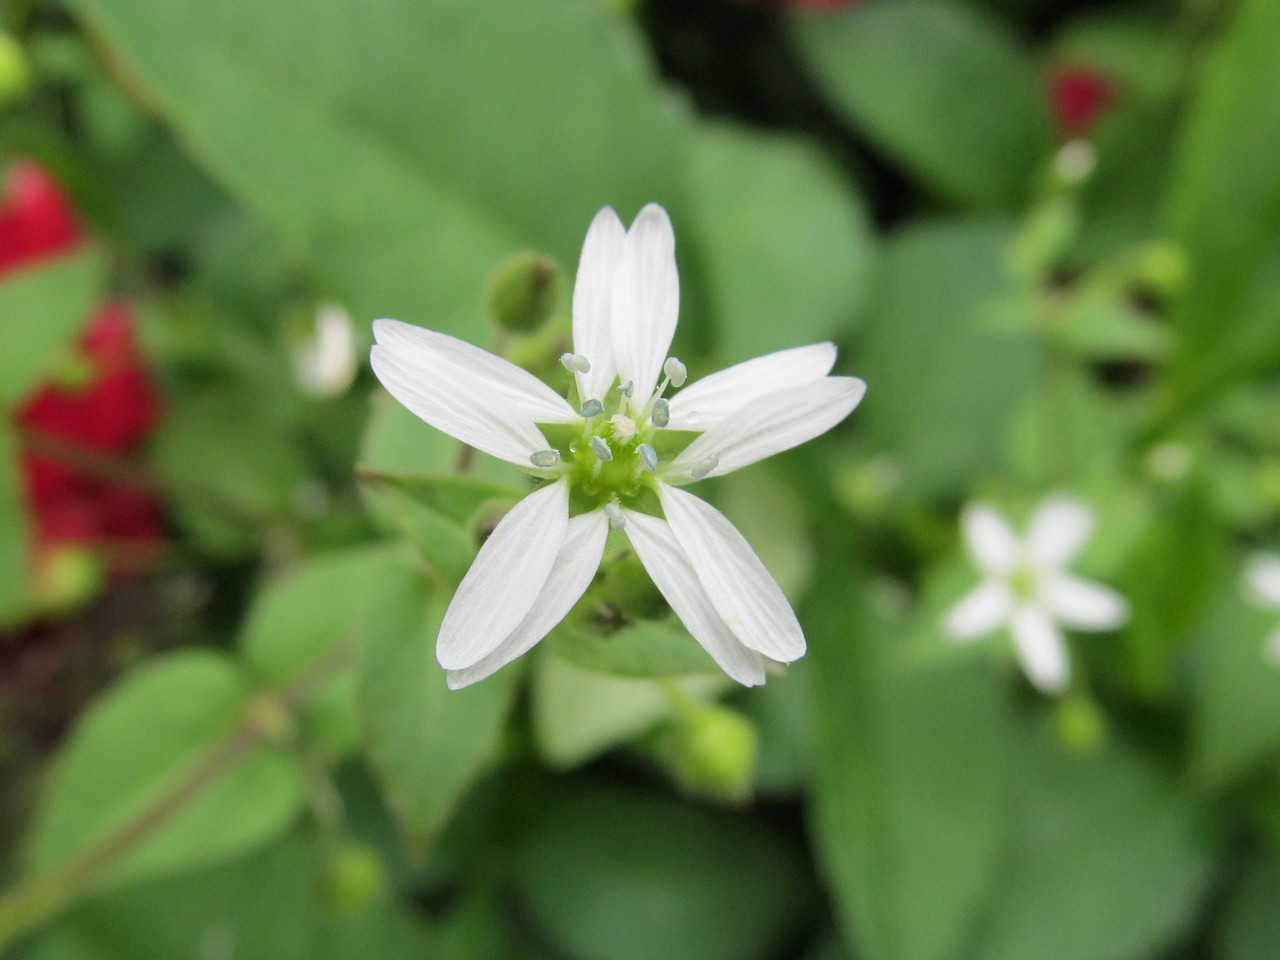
{"points": [[676, 371], [648, 456], [601, 448], [704, 466], [592, 408], [545, 458], [575, 363], [661, 413]]}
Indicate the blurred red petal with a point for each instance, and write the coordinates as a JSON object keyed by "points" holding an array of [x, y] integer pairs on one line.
{"points": [[37, 221], [1078, 95]]}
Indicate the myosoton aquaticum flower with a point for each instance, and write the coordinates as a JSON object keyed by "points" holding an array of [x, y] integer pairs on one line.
{"points": [[1026, 586], [618, 457]]}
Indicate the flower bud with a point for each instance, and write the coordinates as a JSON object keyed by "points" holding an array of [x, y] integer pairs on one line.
{"points": [[353, 878], [523, 291], [1162, 268], [1082, 727], [713, 752]]}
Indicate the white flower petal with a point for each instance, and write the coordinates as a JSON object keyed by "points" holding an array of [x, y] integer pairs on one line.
{"points": [[646, 300], [772, 423], [1058, 532], [428, 354], [749, 600], [1041, 649], [571, 573], [1083, 604], [592, 293], [505, 579], [980, 611], [702, 405], [990, 540], [1262, 575], [673, 575]]}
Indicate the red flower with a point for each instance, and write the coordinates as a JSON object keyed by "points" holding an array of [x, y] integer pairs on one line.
{"points": [[1078, 95], [80, 430]]}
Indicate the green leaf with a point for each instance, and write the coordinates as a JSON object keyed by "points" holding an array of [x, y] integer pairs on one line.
{"points": [[641, 649], [942, 386], [787, 245], [1224, 205], [15, 585], [939, 87], [1109, 861], [1249, 928], [170, 759], [617, 876], [41, 310], [426, 743], [911, 781], [344, 126], [456, 497]]}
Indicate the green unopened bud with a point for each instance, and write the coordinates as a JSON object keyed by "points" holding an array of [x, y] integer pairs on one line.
{"points": [[713, 752], [523, 292], [68, 577], [1162, 268], [353, 878], [1082, 727], [15, 70]]}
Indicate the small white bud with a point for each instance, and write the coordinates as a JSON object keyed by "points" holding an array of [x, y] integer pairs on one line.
{"points": [[661, 413], [648, 456], [1075, 160], [676, 371], [545, 458], [575, 363], [592, 408], [624, 428], [614, 513], [601, 448], [704, 466]]}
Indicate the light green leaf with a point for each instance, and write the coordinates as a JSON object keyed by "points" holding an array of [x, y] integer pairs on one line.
{"points": [[455, 497], [787, 244], [1250, 923], [426, 743], [41, 309], [641, 649], [15, 555], [615, 876], [942, 89], [911, 780], [942, 385], [170, 758]]}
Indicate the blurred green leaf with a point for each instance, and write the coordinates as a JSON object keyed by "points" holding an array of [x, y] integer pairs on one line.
{"points": [[41, 310], [942, 386], [169, 760], [911, 780], [15, 583], [617, 876], [787, 245], [940, 87], [1109, 861], [1224, 205], [456, 497], [426, 743], [344, 125], [641, 649], [1249, 926]]}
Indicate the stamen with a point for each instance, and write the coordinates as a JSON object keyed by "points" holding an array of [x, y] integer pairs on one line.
{"points": [[676, 371], [601, 448], [648, 456], [592, 408], [704, 466], [627, 389], [575, 363], [661, 413], [545, 458], [624, 428], [614, 513]]}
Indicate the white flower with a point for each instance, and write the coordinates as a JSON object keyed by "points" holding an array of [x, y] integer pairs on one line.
{"points": [[1026, 587], [610, 464], [1262, 578], [325, 364]]}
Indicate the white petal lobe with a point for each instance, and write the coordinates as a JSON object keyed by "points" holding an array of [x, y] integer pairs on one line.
{"points": [[990, 540], [1041, 649], [1083, 604], [673, 575], [571, 573], [506, 578], [1058, 532], [980, 611], [775, 422], [645, 300], [426, 353], [592, 293], [748, 599], [705, 403], [445, 400]]}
